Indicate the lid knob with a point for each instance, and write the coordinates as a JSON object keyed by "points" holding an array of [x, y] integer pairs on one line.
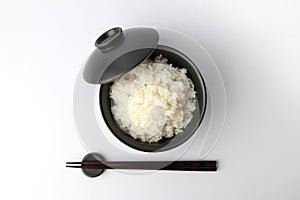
{"points": [[109, 39]]}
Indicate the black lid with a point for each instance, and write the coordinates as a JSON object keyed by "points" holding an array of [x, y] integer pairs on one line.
{"points": [[118, 52]]}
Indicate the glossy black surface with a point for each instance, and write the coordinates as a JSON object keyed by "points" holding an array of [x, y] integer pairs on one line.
{"points": [[92, 173]]}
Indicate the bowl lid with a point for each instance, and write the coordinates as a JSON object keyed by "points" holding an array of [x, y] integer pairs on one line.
{"points": [[118, 52]]}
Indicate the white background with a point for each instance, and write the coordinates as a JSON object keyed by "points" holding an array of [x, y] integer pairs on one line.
{"points": [[256, 45]]}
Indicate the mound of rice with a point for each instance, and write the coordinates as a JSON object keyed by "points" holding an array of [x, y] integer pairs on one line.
{"points": [[154, 100]]}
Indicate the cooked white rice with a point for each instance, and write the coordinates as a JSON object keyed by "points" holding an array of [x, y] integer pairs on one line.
{"points": [[154, 100]]}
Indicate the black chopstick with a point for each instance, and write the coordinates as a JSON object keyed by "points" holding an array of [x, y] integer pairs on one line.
{"points": [[204, 165]]}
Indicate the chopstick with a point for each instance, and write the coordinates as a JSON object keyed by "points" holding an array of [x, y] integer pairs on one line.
{"points": [[204, 165]]}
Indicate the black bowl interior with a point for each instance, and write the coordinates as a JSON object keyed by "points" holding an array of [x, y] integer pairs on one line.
{"points": [[178, 59]]}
